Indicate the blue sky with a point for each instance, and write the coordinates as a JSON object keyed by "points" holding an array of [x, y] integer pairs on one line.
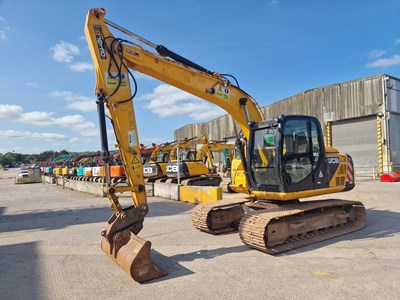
{"points": [[275, 48]]}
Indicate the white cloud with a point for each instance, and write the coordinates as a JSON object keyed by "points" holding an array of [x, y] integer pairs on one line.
{"points": [[148, 141], [168, 101], [385, 62], [70, 96], [379, 61], [81, 67], [273, 2], [3, 35], [374, 54], [64, 52], [32, 135], [10, 112], [83, 106], [76, 101], [32, 84], [90, 141], [90, 132], [74, 122], [3, 29], [40, 118], [37, 118]]}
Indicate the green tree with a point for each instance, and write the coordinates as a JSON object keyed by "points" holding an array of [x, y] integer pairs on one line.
{"points": [[19, 158], [63, 152], [8, 159], [45, 156]]}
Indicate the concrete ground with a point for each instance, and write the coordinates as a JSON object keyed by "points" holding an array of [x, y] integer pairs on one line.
{"points": [[50, 249]]}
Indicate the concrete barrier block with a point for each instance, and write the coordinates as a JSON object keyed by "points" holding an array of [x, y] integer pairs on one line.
{"points": [[166, 190], [200, 194], [149, 186], [49, 179]]}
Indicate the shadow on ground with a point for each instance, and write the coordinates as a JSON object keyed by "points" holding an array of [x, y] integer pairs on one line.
{"points": [[56, 219], [172, 264], [19, 272]]}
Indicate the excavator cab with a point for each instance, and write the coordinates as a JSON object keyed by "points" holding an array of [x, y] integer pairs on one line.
{"points": [[287, 155]]}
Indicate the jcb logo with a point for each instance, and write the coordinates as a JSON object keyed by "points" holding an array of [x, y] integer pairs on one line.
{"points": [[173, 168], [100, 44], [333, 160], [147, 170]]}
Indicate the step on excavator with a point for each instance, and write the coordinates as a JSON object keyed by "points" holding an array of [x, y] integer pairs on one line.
{"points": [[280, 160]]}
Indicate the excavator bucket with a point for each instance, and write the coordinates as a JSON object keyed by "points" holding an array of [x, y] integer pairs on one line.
{"points": [[132, 254]]}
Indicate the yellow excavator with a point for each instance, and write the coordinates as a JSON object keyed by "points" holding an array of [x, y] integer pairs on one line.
{"points": [[206, 153], [183, 163], [281, 160], [155, 168], [187, 148], [196, 167]]}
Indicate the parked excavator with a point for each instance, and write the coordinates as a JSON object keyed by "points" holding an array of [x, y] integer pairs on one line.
{"points": [[155, 168], [146, 151], [281, 159], [206, 153], [196, 168]]}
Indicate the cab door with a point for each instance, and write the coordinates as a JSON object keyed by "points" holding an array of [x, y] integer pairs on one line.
{"points": [[302, 152]]}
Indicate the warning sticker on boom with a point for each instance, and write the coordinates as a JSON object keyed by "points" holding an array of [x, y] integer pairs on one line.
{"points": [[112, 80], [132, 138], [222, 92]]}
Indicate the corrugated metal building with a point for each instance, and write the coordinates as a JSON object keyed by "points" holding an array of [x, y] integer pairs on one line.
{"points": [[362, 118]]}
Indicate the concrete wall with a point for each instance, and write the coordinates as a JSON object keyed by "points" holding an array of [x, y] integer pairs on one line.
{"points": [[82, 186]]}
